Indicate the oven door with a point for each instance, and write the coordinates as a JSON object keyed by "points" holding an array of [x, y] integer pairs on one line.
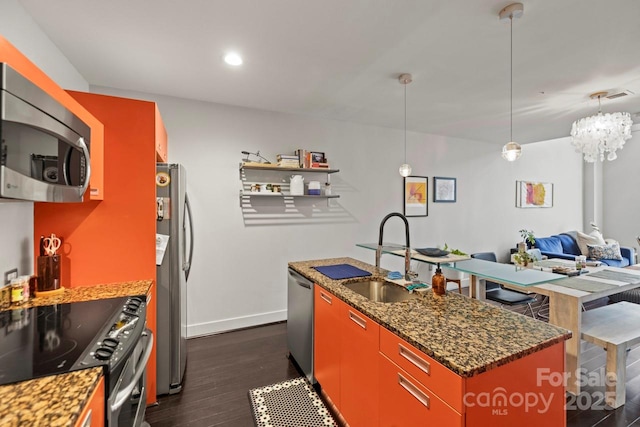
{"points": [[128, 400]]}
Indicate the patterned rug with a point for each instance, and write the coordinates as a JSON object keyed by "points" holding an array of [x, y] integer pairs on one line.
{"points": [[288, 404]]}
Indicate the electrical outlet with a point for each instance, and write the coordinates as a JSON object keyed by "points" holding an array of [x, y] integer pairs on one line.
{"points": [[9, 275]]}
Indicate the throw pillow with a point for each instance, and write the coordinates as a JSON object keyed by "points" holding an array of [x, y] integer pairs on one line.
{"points": [[549, 244], [585, 239], [611, 251]]}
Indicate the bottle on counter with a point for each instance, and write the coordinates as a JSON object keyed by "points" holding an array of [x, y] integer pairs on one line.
{"points": [[26, 291], [17, 292], [5, 296], [438, 282]]}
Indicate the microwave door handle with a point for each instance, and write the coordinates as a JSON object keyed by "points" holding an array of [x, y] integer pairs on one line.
{"points": [[87, 177], [124, 394]]}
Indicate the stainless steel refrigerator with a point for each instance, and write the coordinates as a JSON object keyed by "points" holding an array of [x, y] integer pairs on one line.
{"points": [[174, 252]]}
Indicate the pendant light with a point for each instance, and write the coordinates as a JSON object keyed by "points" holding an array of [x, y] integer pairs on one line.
{"points": [[596, 135], [511, 150], [405, 79]]}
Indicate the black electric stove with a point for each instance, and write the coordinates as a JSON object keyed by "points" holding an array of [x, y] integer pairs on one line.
{"points": [[47, 340]]}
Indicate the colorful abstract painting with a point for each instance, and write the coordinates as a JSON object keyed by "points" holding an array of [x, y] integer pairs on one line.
{"points": [[531, 194], [415, 196]]}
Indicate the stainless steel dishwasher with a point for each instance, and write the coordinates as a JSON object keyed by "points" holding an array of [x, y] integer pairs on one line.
{"points": [[300, 322]]}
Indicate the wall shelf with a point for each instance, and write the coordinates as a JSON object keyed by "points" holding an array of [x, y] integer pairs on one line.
{"points": [[264, 167], [260, 173], [271, 195]]}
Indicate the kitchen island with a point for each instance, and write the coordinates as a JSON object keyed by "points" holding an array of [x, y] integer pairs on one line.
{"points": [[472, 344], [59, 399]]}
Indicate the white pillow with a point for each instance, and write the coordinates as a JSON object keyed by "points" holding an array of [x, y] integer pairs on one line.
{"points": [[586, 239]]}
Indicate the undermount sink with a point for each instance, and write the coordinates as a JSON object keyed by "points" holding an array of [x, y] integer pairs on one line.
{"points": [[380, 291]]}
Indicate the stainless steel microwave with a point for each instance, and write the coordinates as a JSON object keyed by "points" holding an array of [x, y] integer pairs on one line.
{"points": [[44, 147]]}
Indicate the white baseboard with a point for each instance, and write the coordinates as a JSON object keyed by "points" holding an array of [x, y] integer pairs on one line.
{"points": [[225, 325]]}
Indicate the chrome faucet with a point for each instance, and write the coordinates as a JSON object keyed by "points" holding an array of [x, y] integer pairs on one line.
{"points": [[407, 255]]}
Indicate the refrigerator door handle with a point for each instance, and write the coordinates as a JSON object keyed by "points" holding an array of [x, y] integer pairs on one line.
{"points": [[187, 264]]}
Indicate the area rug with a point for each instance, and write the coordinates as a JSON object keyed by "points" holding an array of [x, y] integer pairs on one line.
{"points": [[288, 404]]}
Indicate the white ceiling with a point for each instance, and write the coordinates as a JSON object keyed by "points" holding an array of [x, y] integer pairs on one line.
{"points": [[340, 59]]}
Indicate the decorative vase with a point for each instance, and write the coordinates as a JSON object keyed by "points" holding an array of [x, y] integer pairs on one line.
{"points": [[522, 247]]}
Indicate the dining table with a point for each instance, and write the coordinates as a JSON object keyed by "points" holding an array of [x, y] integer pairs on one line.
{"points": [[566, 304]]}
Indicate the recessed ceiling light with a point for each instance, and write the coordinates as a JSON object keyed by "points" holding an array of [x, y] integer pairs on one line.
{"points": [[232, 58]]}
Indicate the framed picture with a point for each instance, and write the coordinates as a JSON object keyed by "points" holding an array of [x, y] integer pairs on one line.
{"points": [[530, 194], [415, 196], [317, 157], [444, 190]]}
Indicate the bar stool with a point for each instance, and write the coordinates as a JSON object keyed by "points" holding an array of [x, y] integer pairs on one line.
{"points": [[453, 276]]}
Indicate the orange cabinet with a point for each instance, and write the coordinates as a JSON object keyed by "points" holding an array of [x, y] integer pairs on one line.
{"points": [[523, 392], [113, 240], [12, 56], [93, 414], [358, 368], [527, 392], [385, 381], [405, 402], [428, 371], [326, 349], [162, 148]]}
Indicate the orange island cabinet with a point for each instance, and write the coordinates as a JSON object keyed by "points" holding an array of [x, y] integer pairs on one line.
{"points": [[113, 240], [372, 377]]}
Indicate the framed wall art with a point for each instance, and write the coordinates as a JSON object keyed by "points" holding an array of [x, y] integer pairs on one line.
{"points": [[444, 190], [415, 196], [531, 194]]}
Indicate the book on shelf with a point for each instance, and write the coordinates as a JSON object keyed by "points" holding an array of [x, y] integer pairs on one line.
{"points": [[302, 157], [293, 157], [319, 165], [289, 163]]}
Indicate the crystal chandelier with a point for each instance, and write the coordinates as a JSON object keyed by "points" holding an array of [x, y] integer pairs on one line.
{"points": [[405, 168], [511, 151], [603, 133]]}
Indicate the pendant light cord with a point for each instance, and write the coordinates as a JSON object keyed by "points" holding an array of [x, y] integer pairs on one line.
{"points": [[511, 84], [405, 123], [599, 106]]}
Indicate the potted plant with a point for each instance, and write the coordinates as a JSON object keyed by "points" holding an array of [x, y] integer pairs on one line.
{"points": [[528, 239], [522, 258]]}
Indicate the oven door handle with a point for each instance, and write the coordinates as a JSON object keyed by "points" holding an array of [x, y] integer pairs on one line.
{"points": [[124, 394]]}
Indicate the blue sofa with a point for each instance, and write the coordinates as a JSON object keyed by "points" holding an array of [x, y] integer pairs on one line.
{"points": [[565, 246]]}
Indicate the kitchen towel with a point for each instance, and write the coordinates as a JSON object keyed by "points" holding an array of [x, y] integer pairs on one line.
{"points": [[342, 271]]}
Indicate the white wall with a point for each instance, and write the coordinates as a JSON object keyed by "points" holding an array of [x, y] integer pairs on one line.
{"points": [[621, 203], [17, 26], [238, 275], [16, 219]]}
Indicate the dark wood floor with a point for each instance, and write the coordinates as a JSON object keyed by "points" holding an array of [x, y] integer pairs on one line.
{"points": [[222, 368]]}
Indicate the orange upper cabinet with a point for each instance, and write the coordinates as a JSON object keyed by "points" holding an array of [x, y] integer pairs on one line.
{"points": [[114, 240], [162, 152], [20, 63]]}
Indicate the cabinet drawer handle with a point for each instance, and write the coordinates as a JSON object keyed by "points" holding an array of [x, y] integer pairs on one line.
{"points": [[413, 390], [326, 297], [416, 360], [357, 320]]}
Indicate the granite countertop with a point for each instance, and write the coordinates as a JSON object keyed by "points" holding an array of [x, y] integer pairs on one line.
{"points": [[90, 293], [465, 335], [58, 400]]}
